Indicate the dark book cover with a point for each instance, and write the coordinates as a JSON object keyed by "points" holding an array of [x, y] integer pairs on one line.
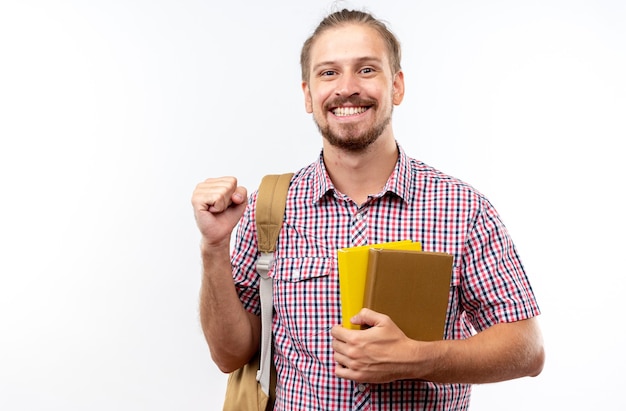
{"points": [[411, 287]]}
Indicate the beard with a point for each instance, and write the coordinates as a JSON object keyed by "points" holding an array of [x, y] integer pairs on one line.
{"points": [[350, 139]]}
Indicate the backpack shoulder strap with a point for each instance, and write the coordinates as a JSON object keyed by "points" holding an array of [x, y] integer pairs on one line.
{"points": [[270, 209], [270, 212]]}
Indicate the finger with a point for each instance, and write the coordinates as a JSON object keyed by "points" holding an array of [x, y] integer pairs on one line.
{"points": [[208, 198], [340, 333], [216, 194], [340, 361], [240, 195]]}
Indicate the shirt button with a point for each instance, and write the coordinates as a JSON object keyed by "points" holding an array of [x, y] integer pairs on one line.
{"points": [[361, 387], [359, 217]]}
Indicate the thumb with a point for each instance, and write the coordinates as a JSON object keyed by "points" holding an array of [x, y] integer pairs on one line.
{"points": [[239, 196], [367, 317]]}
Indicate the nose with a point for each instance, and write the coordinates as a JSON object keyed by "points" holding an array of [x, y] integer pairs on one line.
{"points": [[348, 85]]}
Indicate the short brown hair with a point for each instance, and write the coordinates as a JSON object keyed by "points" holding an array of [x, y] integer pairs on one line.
{"points": [[343, 17]]}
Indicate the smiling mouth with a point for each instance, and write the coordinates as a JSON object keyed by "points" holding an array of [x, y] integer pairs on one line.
{"points": [[348, 111]]}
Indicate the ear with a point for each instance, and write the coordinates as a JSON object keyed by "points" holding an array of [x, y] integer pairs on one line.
{"points": [[398, 88], [308, 104]]}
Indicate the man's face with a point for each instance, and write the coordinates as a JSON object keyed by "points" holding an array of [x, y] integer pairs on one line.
{"points": [[352, 89]]}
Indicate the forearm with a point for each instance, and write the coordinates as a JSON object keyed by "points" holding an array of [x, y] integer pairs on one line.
{"points": [[231, 332], [502, 352]]}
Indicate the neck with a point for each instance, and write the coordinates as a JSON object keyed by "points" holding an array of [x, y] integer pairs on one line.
{"points": [[364, 173]]}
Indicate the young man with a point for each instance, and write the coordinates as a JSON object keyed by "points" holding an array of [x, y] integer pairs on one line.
{"points": [[364, 189]]}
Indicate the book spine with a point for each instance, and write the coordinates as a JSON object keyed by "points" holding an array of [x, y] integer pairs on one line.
{"points": [[371, 278]]}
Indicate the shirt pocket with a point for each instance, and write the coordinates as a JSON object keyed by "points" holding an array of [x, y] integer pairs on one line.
{"points": [[301, 268], [306, 297]]}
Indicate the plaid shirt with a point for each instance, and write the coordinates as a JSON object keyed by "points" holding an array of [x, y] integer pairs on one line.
{"points": [[488, 284]]}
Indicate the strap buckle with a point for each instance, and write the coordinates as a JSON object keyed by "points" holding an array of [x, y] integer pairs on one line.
{"points": [[264, 263]]}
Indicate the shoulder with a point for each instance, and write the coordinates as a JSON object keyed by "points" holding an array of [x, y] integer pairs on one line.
{"points": [[310, 183], [428, 177]]}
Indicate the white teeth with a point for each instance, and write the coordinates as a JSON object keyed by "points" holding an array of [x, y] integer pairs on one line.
{"points": [[348, 111]]}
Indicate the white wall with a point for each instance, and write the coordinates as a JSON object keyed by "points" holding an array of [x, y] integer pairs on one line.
{"points": [[111, 112]]}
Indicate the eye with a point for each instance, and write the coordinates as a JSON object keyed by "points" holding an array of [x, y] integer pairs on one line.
{"points": [[327, 73], [367, 70]]}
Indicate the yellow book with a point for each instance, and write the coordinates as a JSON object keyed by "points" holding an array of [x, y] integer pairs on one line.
{"points": [[352, 266]]}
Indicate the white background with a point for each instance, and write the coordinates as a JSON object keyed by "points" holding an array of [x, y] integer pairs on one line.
{"points": [[112, 111]]}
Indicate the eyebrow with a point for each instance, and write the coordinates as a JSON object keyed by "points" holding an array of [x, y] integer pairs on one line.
{"points": [[359, 60]]}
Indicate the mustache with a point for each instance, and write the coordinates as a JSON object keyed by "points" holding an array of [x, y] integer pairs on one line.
{"points": [[350, 100]]}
